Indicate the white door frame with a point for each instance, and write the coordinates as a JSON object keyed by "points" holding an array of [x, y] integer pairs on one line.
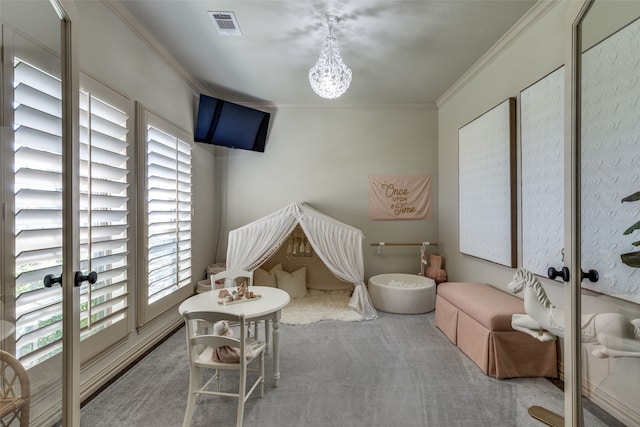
{"points": [[572, 295], [71, 211]]}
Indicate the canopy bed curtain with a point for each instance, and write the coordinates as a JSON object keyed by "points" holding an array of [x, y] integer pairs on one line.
{"points": [[338, 245]]}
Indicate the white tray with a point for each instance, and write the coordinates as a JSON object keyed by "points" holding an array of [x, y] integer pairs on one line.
{"points": [[222, 302]]}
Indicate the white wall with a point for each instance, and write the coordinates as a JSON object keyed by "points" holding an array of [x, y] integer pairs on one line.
{"points": [[323, 156], [526, 58]]}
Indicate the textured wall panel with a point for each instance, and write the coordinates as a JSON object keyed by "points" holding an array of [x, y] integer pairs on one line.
{"points": [[542, 171], [485, 172], [611, 161]]}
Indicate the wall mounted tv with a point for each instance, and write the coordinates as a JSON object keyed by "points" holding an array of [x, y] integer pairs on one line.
{"points": [[231, 125]]}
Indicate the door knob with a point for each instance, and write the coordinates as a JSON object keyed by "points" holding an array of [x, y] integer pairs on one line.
{"points": [[51, 279], [91, 277], [552, 273], [592, 275]]}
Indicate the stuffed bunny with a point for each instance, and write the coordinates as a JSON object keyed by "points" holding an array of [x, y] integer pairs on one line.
{"points": [[227, 354]]}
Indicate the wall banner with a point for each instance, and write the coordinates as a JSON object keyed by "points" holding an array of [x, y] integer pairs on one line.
{"points": [[399, 197]]}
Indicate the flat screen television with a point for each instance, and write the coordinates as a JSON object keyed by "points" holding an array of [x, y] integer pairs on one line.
{"points": [[231, 125]]}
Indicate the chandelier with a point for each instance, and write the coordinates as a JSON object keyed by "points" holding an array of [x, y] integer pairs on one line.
{"points": [[330, 77]]}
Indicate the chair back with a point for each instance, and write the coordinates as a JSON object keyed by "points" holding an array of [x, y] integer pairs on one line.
{"points": [[14, 390], [209, 353], [200, 335], [230, 278]]}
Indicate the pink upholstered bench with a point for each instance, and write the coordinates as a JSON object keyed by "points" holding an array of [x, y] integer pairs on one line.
{"points": [[477, 318]]}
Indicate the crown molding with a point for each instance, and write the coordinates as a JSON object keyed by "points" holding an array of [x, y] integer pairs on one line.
{"points": [[537, 12], [136, 26], [428, 106]]}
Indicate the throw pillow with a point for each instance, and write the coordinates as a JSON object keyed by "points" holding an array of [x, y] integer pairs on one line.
{"points": [[295, 283], [262, 277]]}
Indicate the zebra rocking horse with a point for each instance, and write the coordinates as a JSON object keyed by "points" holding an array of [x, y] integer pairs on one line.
{"points": [[613, 334]]}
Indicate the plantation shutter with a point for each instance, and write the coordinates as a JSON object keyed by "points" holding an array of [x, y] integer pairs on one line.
{"points": [[38, 214], [167, 213], [38, 211], [104, 208]]}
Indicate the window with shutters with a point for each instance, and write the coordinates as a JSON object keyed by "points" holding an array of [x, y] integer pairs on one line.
{"points": [[104, 201], [104, 212], [165, 214]]}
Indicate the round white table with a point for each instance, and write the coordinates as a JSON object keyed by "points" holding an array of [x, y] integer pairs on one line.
{"points": [[266, 308]]}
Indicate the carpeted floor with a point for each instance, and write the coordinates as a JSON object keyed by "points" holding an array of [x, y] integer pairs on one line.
{"points": [[395, 371]]}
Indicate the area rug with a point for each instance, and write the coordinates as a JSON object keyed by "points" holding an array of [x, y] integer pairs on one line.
{"points": [[319, 305]]}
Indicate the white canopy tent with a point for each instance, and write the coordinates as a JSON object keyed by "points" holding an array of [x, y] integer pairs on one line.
{"points": [[337, 244]]}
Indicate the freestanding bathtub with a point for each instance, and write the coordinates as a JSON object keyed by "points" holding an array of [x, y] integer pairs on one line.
{"points": [[402, 293]]}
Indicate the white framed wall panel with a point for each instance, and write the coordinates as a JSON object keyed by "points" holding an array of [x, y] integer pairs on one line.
{"points": [[486, 150], [610, 147], [542, 173]]}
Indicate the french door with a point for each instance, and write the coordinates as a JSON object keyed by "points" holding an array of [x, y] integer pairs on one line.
{"points": [[602, 233], [40, 251]]}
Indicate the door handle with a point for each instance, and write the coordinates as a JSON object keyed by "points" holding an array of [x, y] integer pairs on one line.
{"points": [[552, 273], [592, 275], [79, 278], [51, 279]]}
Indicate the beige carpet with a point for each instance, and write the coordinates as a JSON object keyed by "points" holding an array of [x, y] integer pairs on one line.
{"points": [[397, 370], [320, 305]]}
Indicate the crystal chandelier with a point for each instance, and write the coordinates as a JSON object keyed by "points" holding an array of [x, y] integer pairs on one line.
{"points": [[330, 78]]}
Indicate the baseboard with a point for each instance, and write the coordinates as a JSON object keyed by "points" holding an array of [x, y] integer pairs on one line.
{"points": [[49, 418], [623, 412], [619, 410]]}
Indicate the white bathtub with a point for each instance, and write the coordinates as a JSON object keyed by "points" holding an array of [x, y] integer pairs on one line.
{"points": [[402, 293]]}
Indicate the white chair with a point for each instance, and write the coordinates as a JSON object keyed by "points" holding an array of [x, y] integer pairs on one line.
{"points": [[235, 278], [201, 346], [14, 391], [230, 278]]}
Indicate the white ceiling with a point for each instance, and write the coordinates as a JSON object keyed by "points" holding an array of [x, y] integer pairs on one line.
{"points": [[401, 52]]}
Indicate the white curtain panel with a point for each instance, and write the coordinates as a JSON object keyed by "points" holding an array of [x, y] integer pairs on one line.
{"points": [[252, 244], [338, 245]]}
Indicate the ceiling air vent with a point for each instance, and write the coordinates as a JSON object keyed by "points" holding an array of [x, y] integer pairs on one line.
{"points": [[226, 23]]}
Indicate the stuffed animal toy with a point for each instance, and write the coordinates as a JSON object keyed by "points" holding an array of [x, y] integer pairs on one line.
{"points": [[436, 269], [227, 354]]}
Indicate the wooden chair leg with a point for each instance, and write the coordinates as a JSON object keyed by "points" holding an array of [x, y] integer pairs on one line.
{"points": [[194, 384], [241, 396], [262, 374], [24, 416]]}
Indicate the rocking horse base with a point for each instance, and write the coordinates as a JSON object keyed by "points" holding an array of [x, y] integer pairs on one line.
{"points": [[546, 416]]}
